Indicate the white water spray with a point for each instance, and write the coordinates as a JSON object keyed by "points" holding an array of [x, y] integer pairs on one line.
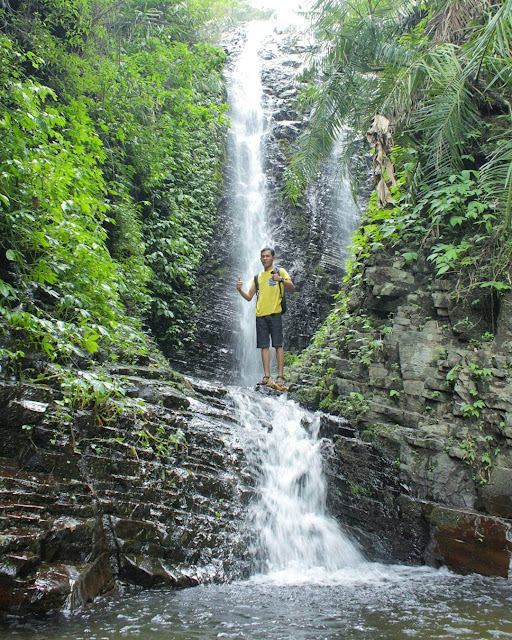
{"points": [[345, 213], [294, 536]]}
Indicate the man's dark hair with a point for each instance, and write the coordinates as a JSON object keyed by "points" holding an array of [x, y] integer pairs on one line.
{"points": [[268, 249]]}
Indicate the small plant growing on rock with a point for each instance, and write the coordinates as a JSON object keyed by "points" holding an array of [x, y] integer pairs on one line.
{"points": [[478, 373], [453, 375], [469, 448], [472, 410]]}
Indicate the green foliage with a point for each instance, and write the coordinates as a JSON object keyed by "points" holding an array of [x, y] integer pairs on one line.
{"points": [[112, 123], [94, 391], [434, 69], [159, 441], [351, 407], [480, 453], [440, 72], [472, 410], [60, 287], [480, 373], [178, 191]]}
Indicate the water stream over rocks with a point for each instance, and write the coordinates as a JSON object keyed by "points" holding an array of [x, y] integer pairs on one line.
{"points": [[292, 531], [308, 579]]}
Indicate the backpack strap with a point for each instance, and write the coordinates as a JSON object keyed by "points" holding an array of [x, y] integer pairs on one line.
{"points": [[257, 285], [281, 291], [281, 284]]}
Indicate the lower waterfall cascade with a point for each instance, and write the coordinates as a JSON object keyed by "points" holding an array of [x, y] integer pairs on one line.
{"points": [[308, 581], [291, 529]]}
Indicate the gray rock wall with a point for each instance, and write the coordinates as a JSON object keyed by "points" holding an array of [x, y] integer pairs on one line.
{"points": [[428, 388]]}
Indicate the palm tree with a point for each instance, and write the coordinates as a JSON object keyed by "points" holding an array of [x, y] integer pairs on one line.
{"points": [[437, 70]]}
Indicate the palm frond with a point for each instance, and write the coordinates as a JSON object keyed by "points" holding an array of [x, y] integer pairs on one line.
{"points": [[493, 39], [496, 176], [347, 65], [428, 67], [450, 20], [449, 113]]}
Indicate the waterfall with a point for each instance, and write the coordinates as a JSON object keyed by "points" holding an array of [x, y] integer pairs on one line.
{"points": [[344, 211], [248, 186], [293, 534]]}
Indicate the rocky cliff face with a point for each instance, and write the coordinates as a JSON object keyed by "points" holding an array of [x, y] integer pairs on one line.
{"points": [[90, 502], [428, 387]]}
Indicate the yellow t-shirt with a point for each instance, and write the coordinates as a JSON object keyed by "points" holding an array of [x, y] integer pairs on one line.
{"points": [[269, 297]]}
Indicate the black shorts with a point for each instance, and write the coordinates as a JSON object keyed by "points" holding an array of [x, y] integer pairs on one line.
{"points": [[267, 326]]}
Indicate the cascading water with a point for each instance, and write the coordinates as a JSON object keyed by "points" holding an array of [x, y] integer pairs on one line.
{"points": [[248, 186], [293, 534], [345, 214], [291, 530]]}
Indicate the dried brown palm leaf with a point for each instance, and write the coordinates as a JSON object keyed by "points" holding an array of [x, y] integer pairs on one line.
{"points": [[379, 136], [450, 22]]}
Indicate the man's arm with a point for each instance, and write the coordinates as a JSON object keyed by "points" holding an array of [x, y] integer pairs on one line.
{"points": [[287, 282], [250, 294]]}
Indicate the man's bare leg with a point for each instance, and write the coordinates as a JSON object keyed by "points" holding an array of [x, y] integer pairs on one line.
{"points": [[265, 359], [280, 362]]}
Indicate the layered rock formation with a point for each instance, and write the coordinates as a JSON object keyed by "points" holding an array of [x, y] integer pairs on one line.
{"points": [[428, 388], [91, 500], [421, 474]]}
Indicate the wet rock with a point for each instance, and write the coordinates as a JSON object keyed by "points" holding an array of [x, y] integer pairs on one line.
{"points": [[332, 426], [133, 502], [152, 572], [368, 497], [68, 540], [94, 579], [173, 400], [469, 542], [18, 566], [496, 495], [59, 586]]}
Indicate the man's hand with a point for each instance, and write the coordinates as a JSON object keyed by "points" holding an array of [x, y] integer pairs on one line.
{"points": [[276, 276], [250, 294]]}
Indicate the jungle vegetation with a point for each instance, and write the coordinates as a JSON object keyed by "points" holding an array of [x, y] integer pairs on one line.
{"points": [[440, 72], [422, 92], [112, 122]]}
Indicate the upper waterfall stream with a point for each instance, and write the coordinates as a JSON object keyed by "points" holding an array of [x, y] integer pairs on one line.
{"points": [[247, 190]]}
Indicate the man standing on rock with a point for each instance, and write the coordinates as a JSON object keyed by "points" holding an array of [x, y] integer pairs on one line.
{"points": [[269, 285]]}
